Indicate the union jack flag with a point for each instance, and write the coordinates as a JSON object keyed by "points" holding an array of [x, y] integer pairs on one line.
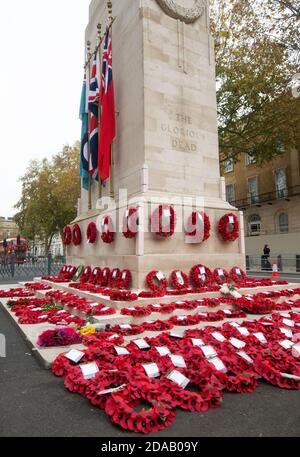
{"points": [[93, 105], [108, 128]]}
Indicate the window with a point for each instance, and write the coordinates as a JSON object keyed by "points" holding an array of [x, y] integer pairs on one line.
{"points": [[250, 159], [253, 190], [228, 166], [283, 223], [230, 193], [254, 225], [281, 183]]}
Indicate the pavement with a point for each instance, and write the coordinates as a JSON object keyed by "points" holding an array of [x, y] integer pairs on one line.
{"points": [[34, 403]]}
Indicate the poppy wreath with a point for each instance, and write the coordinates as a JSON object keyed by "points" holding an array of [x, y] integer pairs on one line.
{"points": [[104, 281], [125, 280], [130, 221], [114, 278], [107, 234], [192, 401], [122, 295], [67, 236], [120, 408], [229, 227], [279, 370], [157, 282], [109, 380], [237, 275], [192, 230], [76, 235], [180, 280], [256, 305], [96, 276], [201, 276], [220, 276], [86, 275], [91, 233], [157, 223]]}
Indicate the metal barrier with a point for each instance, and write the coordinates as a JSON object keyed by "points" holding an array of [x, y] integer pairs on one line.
{"points": [[286, 263], [34, 267]]}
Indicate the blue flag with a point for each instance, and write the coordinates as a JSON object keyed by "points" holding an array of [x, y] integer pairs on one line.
{"points": [[83, 114]]}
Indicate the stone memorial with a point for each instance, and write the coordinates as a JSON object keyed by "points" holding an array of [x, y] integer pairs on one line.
{"points": [[166, 145]]}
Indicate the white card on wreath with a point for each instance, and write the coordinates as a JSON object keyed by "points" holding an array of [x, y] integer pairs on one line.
{"points": [[209, 352], [178, 378], [141, 344], [238, 344], [218, 364], [231, 220], [113, 337], [198, 342], [219, 337], [202, 271], [287, 332], [151, 370], [126, 326], [286, 344], [160, 276], [74, 355], [177, 334], [260, 336], [93, 305], [245, 356], [89, 370], [178, 361], [227, 311], [288, 322], [112, 391], [234, 324], [162, 350], [181, 318], [121, 351], [243, 331]]}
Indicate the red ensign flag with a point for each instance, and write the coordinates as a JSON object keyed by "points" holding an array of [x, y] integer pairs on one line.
{"points": [[108, 123]]}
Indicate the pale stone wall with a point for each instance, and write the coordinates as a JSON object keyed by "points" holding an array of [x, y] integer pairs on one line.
{"points": [[167, 140]]}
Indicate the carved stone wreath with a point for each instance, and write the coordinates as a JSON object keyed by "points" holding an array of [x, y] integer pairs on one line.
{"points": [[187, 15]]}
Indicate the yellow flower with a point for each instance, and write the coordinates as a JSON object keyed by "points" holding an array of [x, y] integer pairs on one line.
{"points": [[90, 330]]}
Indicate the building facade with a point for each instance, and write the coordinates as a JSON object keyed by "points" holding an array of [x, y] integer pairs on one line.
{"points": [[269, 196], [8, 228]]}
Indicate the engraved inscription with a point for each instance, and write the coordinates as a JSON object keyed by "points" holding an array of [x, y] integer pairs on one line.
{"points": [[183, 134]]}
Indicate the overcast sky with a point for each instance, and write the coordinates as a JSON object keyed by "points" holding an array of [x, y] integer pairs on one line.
{"points": [[41, 73]]}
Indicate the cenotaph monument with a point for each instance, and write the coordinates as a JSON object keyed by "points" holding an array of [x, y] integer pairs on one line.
{"points": [[166, 145]]}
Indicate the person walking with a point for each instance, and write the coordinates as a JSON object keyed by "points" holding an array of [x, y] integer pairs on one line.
{"points": [[5, 246], [266, 256], [267, 251]]}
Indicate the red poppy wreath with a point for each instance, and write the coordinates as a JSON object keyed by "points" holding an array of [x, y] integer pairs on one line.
{"points": [[91, 233], [156, 281], [163, 221], [229, 227], [107, 235], [180, 280], [130, 223], [200, 276], [76, 235], [198, 226], [67, 236]]}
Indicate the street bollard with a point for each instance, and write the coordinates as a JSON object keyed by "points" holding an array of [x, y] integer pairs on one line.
{"points": [[298, 263]]}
